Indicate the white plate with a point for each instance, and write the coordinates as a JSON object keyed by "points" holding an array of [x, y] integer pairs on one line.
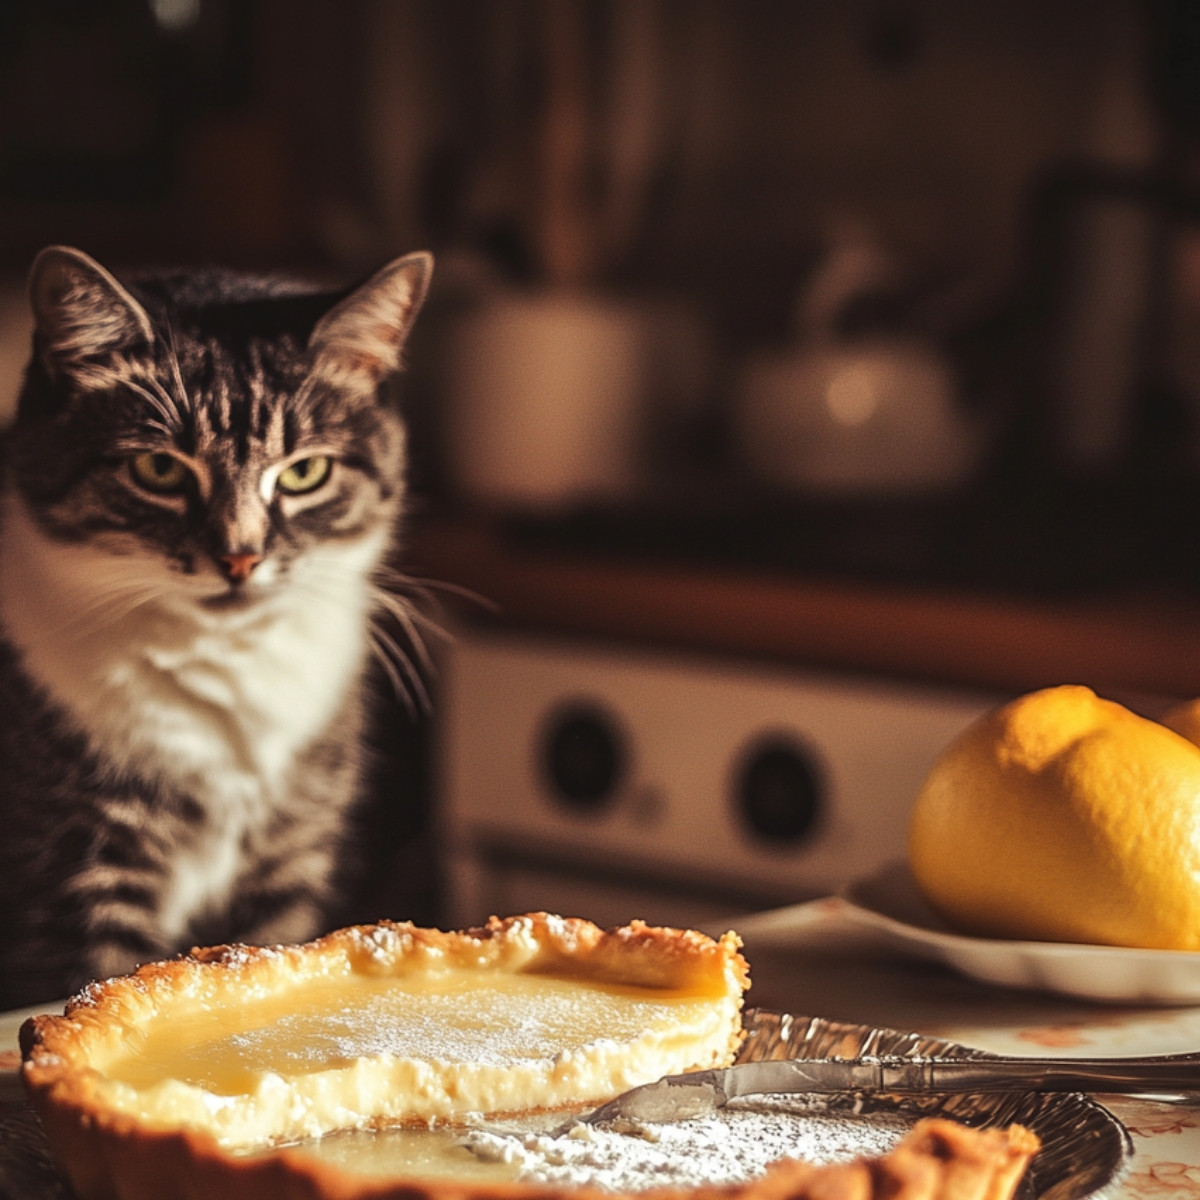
{"points": [[889, 904]]}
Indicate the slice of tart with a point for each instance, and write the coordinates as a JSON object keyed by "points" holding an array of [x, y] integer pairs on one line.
{"points": [[192, 1077]]}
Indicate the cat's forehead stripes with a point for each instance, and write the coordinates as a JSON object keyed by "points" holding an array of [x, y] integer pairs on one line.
{"points": [[242, 399]]}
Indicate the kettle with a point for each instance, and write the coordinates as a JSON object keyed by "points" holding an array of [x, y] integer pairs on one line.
{"points": [[852, 415]]}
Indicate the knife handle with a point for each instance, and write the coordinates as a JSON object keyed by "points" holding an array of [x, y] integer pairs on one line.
{"points": [[1168, 1073], [921, 1075]]}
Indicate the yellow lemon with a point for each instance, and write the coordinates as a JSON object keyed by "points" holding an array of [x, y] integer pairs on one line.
{"points": [[1064, 817]]}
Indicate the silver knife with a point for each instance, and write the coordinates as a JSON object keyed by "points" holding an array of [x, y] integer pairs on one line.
{"points": [[678, 1097]]}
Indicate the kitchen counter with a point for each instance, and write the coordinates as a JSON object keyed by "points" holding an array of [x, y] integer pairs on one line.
{"points": [[1126, 644]]}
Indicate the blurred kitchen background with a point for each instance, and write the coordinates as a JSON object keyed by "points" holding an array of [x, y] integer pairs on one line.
{"points": [[801, 377]]}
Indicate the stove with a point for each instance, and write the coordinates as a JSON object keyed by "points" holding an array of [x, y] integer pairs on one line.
{"points": [[613, 783]]}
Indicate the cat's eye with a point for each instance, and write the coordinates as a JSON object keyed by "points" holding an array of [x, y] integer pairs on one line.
{"points": [[158, 472], [305, 474]]}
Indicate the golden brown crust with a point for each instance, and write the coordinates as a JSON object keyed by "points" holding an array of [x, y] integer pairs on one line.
{"points": [[639, 954], [938, 1160], [975, 1165]]}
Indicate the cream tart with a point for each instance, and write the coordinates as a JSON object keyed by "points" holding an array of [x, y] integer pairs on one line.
{"points": [[174, 1080]]}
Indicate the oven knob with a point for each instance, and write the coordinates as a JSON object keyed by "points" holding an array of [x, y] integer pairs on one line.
{"points": [[778, 789], [582, 756]]}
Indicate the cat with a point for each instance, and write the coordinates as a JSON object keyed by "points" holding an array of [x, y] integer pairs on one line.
{"points": [[204, 478]]}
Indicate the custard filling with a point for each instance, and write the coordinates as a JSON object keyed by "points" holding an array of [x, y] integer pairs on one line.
{"points": [[429, 1046], [454, 1016]]}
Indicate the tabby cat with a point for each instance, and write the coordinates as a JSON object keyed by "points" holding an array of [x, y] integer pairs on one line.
{"points": [[202, 482]]}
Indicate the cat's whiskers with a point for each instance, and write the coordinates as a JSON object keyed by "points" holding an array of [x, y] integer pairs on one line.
{"points": [[405, 668], [407, 682], [101, 611], [405, 599], [107, 598], [412, 620], [423, 589], [153, 393], [415, 596]]}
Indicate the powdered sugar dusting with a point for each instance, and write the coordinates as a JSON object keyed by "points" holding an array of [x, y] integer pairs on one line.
{"points": [[731, 1146], [533, 1019]]}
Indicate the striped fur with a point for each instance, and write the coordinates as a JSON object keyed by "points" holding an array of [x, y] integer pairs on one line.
{"points": [[201, 486]]}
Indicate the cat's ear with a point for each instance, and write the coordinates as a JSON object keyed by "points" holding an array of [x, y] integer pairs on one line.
{"points": [[360, 341], [80, 311]]}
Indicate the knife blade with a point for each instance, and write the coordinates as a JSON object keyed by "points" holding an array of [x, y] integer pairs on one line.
{"points": [[679, 1097]]}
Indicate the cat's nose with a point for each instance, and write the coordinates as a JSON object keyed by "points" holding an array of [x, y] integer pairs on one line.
{"points": [[237, 567]]}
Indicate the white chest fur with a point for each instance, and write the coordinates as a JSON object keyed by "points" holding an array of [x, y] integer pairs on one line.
{"points": [[219, 700]]}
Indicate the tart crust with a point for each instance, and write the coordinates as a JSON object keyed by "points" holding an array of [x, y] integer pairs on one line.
{"points": [[122, 1134]]}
